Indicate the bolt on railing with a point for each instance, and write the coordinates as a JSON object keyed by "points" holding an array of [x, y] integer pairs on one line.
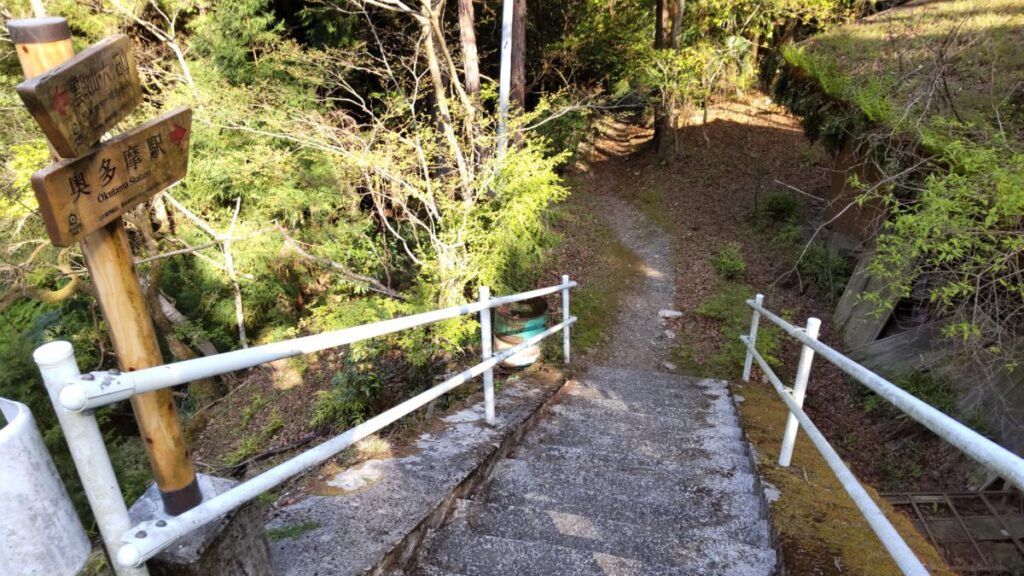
{"points": [[75, 396]]}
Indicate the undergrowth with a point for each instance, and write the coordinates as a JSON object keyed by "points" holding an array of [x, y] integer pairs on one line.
{"points": [[928, 387], [826, 270], [727, 306], [610, 272], [728, 261], [252, 444]]}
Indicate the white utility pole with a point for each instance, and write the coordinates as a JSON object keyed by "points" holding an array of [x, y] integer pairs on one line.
{"points": [[505, 77]]}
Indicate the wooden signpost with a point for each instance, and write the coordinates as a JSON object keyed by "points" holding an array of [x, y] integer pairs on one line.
{"points": [[79, 101], [76, 100], [77, 197]]}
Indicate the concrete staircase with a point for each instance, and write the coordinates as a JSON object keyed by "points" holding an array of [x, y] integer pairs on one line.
{"points": [[631, 472]]}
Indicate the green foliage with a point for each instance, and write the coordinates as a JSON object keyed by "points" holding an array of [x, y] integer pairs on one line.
{"points": [[930, 388], [565, 126], [954, 203], [728, 261], [369, 383], [727, 306], [292, 531], [27, 325], [926, 386], [258, 403], [348, 401], [779, 207], [826, 270], [509, 233], [253, 443], [236, 36]]}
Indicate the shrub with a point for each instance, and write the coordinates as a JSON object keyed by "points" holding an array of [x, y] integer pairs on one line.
{"points": [[826, 270], [728, 306], [779, 207], [789, 235], [728, 261]]}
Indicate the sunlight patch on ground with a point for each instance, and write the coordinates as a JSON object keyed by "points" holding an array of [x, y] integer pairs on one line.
{"points": [[358, 477], [286, 374], [573, 525], [650, 272]]}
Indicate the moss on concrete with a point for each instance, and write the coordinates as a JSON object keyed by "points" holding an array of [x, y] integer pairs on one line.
{"points": [[820, 529]]}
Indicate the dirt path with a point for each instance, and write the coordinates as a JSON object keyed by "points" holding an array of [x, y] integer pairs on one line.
{"points": [[638, 339], [675, 217]]}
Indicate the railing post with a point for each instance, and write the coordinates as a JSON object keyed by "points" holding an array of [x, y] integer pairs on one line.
{"points": [[803, 373], [752, 340], [56, 361], [486, 342], [565, 318]]}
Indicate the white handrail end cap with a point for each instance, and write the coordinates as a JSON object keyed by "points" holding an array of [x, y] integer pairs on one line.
{"points": [[53, 353], [73, 397], [128, 555]]}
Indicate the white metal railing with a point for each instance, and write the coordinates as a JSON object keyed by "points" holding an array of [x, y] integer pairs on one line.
{"points": [[75, 396], [986, 452]]}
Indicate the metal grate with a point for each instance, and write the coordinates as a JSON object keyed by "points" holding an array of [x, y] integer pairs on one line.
{"points": [[976, 532]]}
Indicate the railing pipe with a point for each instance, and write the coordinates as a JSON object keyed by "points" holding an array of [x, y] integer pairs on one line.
{"points": [[754, 319], [56, 361], [566, 356], [106, 388], [505, 74], [984, 451], [158, 534], [887, 534], [803, 374], [486, 342]]}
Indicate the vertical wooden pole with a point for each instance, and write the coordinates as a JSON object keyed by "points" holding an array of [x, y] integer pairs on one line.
{"points": [[519, 53], [43, 43]]}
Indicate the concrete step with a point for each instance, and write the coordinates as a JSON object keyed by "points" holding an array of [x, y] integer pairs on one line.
{"points": [[698, 463], [652, 444], [633, 379], [673, 393], [629, 472], [426, 570], [703, 549], [717, 416], [460, 550], [649, 402], [636, 481], [667, 508]]}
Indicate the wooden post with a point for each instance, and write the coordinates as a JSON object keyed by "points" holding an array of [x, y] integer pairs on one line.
{"points": [[43, 43]]}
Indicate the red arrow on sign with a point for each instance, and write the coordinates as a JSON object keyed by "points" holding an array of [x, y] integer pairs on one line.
{"points": [[61, 101], [178, 134]]}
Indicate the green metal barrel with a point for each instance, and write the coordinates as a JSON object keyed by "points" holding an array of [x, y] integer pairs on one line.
{"points": [[516, 322]]}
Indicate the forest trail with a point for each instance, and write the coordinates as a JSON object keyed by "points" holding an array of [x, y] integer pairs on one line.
{"points": [[629, 470], [637, 338]]}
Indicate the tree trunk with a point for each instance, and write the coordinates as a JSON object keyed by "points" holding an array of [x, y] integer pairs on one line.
{"points": [[662, 24], [668, 26], [470, 61], [518, 88], [677, 24]]}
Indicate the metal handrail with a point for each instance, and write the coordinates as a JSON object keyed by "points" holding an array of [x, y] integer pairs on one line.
{"points": [[101, 388], [974, 445], [75, 396]]}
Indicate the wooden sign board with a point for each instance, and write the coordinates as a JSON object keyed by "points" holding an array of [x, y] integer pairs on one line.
{"points": [[79, 101], [80, 195]]}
